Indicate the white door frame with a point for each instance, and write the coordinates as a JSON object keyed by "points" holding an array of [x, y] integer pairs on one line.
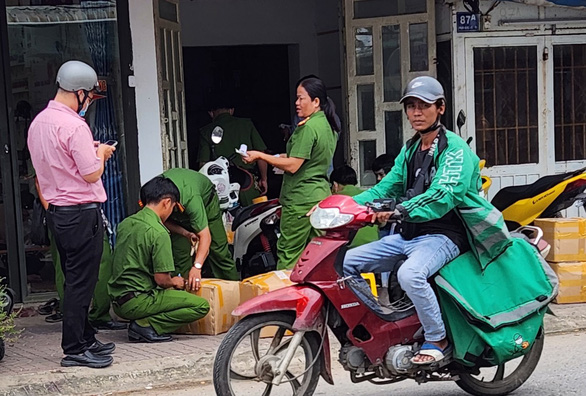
{"points": [[523, 173], [171, 89], [550, 42], [351, 24]]}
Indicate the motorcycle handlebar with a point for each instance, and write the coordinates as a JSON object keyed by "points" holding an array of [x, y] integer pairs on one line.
{"points": [[382, 205]]}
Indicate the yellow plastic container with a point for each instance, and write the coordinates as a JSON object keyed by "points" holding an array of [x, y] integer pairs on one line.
{"points": [[369, 277], [260, 199]]}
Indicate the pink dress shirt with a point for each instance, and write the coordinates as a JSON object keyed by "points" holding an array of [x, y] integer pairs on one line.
{"points": [[62, 150]]}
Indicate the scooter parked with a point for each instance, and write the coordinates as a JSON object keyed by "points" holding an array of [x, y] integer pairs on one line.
{"points": [[255, 227], [256, 230], [282, 343], [6, 306], [545, 198]]}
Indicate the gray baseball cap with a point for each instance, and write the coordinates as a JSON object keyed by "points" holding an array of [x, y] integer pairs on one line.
{"points": [[425, 88], [75, 75]]}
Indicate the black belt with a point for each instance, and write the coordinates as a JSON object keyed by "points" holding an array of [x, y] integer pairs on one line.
{"points": [[125, 298], [74, 208]]}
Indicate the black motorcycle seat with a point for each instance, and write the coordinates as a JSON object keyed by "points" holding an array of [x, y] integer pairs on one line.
{"points": [[509, 195], [246, 213]]}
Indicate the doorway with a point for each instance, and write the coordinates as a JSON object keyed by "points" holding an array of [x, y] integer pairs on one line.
{"points": [[525, 104], [259, 77], [37, 37]]}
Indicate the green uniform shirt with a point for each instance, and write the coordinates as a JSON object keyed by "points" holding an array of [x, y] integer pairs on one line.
{"points": [[196, 192], [143, 248], [315, 142], [237, 131], [365, 234]]}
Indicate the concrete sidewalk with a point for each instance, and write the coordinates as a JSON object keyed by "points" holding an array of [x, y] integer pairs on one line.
{"points": [[31, 366]]}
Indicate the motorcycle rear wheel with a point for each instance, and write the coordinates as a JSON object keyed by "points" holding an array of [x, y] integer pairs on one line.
{"points": [[500, 384], [243, 347]]}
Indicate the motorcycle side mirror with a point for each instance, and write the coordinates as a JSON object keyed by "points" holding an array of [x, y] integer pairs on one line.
{"points": [[460, 121], [217, 134]]}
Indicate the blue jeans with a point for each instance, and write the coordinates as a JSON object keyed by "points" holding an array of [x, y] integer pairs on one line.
{"points": [[424, 256]]}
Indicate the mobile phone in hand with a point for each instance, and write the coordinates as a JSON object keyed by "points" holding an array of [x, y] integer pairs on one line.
{"points": [[112, 143]]}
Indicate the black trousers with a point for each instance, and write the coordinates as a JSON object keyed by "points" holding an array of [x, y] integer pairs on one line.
{"points": [[78, 232]]}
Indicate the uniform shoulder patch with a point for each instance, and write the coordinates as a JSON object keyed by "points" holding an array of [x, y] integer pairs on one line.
{"points": [[303, 122]]}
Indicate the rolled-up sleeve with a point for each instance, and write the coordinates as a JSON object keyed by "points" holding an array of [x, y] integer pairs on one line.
{"points": [[83, 152]]}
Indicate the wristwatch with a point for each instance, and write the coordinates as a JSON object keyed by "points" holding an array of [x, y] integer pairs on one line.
{"points": [[197, 265]]}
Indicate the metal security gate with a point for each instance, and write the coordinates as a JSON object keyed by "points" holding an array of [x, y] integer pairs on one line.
{"points": [[171, 86], [387, 44], [526, 104]]}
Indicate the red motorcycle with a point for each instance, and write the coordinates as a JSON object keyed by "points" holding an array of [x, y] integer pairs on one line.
{"points": [[282, 345]]}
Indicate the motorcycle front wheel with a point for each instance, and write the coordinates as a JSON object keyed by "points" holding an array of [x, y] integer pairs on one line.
{"points": [[247, 356], [503, 379]]}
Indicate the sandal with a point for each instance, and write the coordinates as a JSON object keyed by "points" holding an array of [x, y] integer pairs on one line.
{"points": [[48, 307], [429, 349], [55, 318]]}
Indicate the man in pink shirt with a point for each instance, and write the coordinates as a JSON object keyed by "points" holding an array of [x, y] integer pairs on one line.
{"points": [[69, 167]]}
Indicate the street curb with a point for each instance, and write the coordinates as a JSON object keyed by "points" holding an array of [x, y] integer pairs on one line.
{"points": [[192, 368], [116, 378]]}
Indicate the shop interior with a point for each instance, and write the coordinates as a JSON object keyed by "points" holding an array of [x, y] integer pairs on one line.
{"points": [[42, 36]]}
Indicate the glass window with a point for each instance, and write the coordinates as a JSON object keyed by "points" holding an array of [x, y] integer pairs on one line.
{"points": [[363, 42], [418, 47], [392, 63], [505, 82], [570, 102], [168, 10], [365, 107], [393, 132], [41, 37], [382, 8], [367, 157]]}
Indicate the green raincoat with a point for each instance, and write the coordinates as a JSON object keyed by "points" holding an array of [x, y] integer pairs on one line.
{"points": [[455, 185]]}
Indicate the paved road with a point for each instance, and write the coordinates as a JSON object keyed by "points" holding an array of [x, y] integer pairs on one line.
{"points": [[561, 371]]}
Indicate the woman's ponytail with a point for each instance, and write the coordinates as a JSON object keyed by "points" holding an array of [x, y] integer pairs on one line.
{"points": [[329, 109]]}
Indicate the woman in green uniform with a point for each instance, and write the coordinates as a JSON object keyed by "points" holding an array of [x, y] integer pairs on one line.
{"points": [[305, 182]]}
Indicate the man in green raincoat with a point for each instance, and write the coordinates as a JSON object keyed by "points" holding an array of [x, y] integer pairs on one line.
{"points": [[436, 179], [198, 224], [237, 131]]}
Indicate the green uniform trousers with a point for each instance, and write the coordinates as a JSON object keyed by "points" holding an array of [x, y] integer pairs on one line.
{"points": [[296, 232], [219, 260], [165, 310], [100, 310]]}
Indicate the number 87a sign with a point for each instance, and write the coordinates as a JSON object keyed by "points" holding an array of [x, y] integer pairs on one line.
{"points": [[468, 22]]}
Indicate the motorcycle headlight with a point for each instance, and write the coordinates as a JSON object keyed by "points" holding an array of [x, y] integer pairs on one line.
{"points": [[323, 219]]}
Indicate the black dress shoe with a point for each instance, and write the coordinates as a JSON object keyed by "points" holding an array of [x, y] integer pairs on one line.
{"points": [[137, 333], [100, 349], [56, 317], [110, 325], [86, 359]]}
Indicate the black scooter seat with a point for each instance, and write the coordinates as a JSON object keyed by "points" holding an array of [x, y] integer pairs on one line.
{"points": [[509, 195]]}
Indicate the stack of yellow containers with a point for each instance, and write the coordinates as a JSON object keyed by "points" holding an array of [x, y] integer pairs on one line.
{"points": [[224, 296], [567, 256]]}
